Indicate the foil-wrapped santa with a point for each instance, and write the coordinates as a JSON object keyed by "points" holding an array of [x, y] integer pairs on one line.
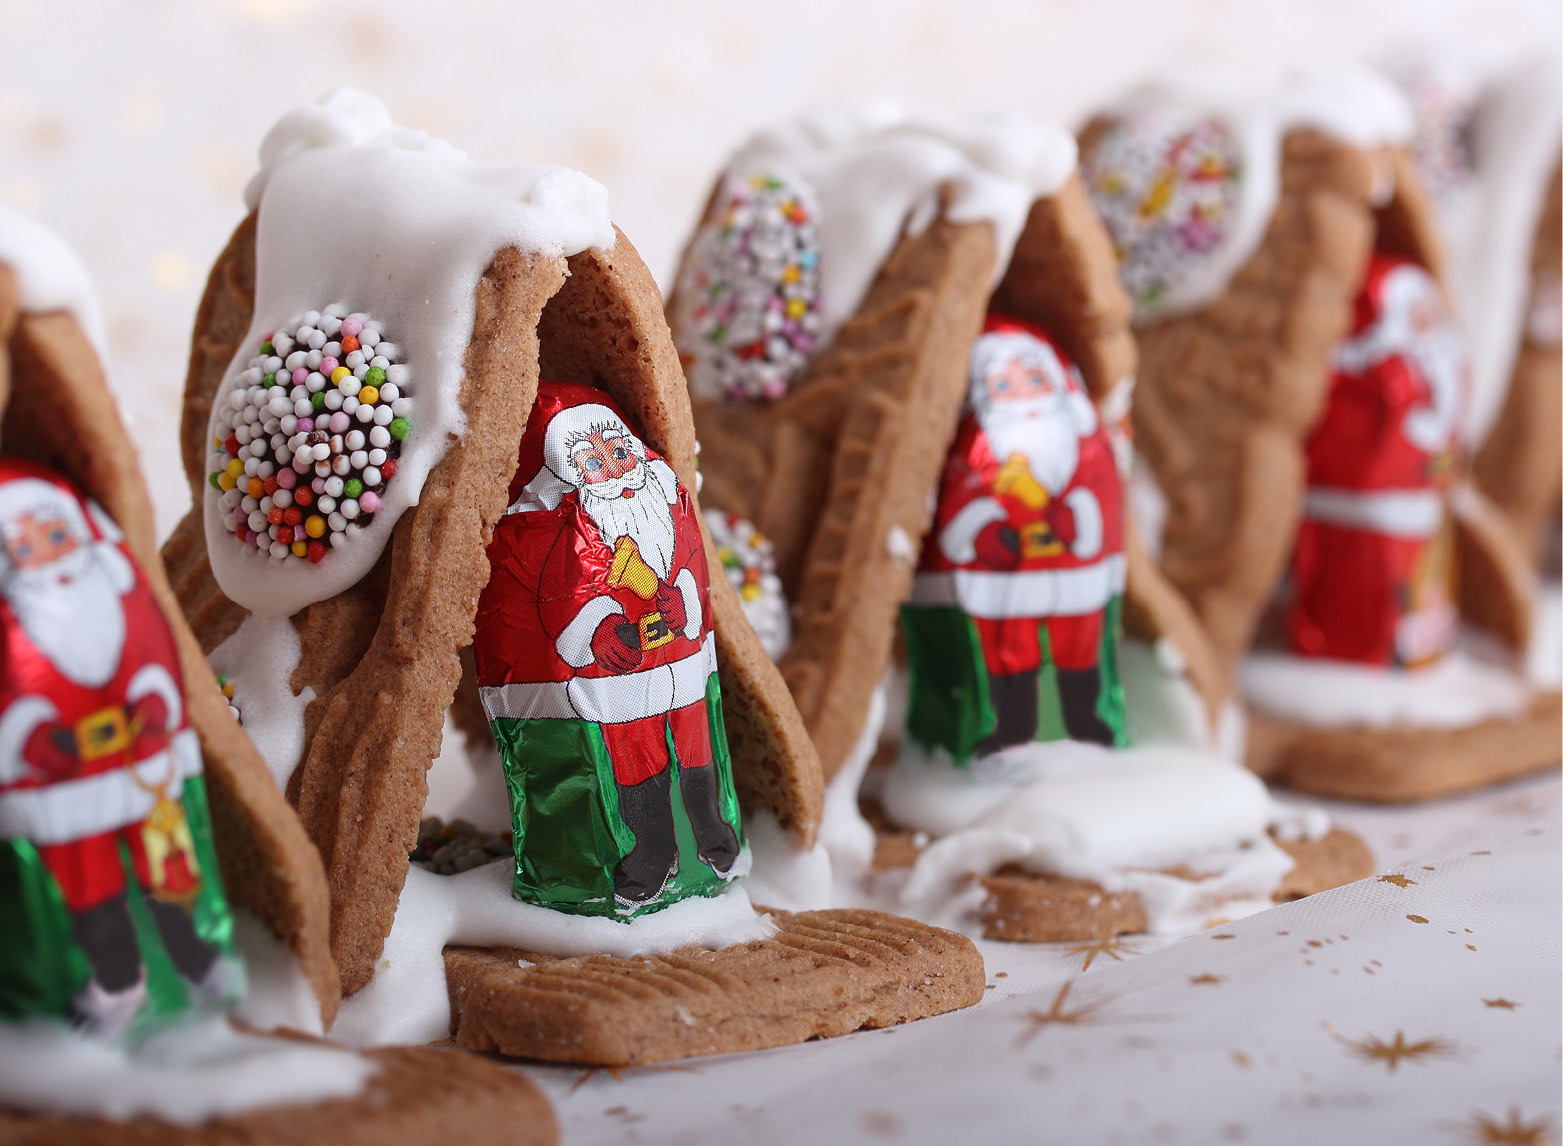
{"points": [[596, 663], [1012, 629], [1373, 569], [115, 917]]}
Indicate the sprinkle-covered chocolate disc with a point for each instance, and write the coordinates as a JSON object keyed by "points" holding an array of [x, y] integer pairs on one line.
{"points": [[748, 309], [309, 435], [1166, 184]]}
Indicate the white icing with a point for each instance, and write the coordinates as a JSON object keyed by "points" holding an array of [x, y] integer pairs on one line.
{"points": [[386, 221], [843, 831], [1103, 815], [1455, 691], [260, 658], [1544, 658], [277, 994], [186, 1074], [49, 276], [785, 876], [898, 544], [1163, 705], [878, 174], [1490, 225], [1347, 102], [831, 873], [406, 1001]]}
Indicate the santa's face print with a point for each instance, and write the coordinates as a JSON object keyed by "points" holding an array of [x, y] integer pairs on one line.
{"points": [[608, 463], [600, 458], [36, 541], [1018, 380], [1414, 323]]}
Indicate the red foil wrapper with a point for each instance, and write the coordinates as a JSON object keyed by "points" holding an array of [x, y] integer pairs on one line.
{"points": [[1373, 569], [597, 666], [115, 918]]}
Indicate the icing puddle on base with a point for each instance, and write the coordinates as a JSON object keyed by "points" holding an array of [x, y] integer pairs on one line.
{"points": [[260, 658], [186, 1074], [406, 1001], [1101, 815], [1456, 691]]}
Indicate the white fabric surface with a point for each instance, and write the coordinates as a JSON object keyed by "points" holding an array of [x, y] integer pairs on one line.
{"points": [[1279, 1028]]}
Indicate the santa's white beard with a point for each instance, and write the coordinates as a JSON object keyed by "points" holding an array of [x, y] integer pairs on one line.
{"points": [[71, 611], [1039, 430], [646, 518]]}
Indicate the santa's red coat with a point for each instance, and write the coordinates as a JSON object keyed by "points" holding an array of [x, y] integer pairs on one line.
{"points": [[1063, 585], [549, 591], [1369, 582], [74, 808]]}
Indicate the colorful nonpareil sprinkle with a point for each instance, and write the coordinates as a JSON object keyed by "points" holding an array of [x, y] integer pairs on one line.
{"points": [[309, 435], [1166, 184], [225, 683], [748, 297], [749, 560], [1441, 144]]}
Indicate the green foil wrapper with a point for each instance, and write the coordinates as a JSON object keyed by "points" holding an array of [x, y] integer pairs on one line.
{"points": [[948, 705], [42, 968], [564, 809]]}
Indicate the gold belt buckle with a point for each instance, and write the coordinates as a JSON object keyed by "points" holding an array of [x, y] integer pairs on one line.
{"points": [[654, 632], [102, 733], [1037, 540]]}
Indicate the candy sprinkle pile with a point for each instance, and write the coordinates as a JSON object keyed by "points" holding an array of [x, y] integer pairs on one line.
{"points": [[310, 435], [749, 560], [225, 682], [1166, 184], [448, 849], [748, 296]]}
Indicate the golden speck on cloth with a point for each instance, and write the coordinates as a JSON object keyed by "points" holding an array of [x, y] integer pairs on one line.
{"points": [[1037, 1020], [1502, 1003], [1113, 947], [1488, 1131], [1397, 879], [1375, 1050]]}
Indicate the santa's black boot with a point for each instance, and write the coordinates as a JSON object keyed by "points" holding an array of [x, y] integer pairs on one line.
{"points": [[647, 810], [109, 1002], [1078, 692], [715, 840], [193, 957], [1014, 700]]}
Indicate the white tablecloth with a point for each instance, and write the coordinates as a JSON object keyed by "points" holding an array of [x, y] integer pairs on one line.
{"points": [[1420, 1006]]}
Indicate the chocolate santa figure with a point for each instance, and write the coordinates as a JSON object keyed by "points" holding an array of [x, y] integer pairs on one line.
{"points": [[597, 666], [1012, 627], [114, 912], [1372, 571]]}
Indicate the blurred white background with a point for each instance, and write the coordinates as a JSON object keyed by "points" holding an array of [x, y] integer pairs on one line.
{"points": [[131, 126]]}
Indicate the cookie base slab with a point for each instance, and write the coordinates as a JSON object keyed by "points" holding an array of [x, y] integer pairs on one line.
{"points": [[1027, 907], [1402, 765], [825, 973], [417, 1095]]}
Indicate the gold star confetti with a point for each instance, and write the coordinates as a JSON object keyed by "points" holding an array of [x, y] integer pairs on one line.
{"points": [[1417, 918], [1057, 1014], [1113, 947], [1391, 1054], [1207, 978], [1397, 880], [1488, 1131], [1501, 1002]]}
